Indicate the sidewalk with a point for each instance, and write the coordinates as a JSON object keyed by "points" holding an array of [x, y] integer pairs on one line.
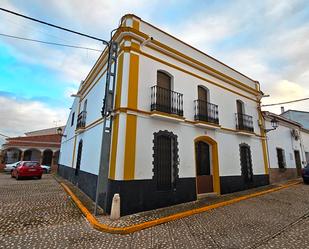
{"points": [[153, 215]]}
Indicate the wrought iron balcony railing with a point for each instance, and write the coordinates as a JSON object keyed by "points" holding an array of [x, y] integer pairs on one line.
{"points": [[165, 100], [81, 120], [244, 122], [205, 111]]}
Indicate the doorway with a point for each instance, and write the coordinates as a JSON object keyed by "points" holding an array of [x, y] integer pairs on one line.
{"points": [[204, 178], [297, 162]]}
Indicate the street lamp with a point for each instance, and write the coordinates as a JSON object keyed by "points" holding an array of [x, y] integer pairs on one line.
{"points": [[59, 132], [274, 123]]}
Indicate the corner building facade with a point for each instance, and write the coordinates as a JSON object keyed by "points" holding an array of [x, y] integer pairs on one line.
{"points": [[184, 124]]}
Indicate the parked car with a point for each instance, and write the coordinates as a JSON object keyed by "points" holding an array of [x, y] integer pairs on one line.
{"points": [[46, 168], [305, 174], [9, 167], [27, 169]]}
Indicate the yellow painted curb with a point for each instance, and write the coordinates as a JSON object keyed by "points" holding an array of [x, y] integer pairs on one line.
{"points": [[133, 228]]}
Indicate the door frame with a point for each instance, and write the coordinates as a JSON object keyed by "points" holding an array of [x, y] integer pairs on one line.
{"points": [[214, 162]]}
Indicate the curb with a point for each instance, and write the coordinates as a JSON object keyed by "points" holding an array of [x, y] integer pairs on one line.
{"points": [[134, 228]]}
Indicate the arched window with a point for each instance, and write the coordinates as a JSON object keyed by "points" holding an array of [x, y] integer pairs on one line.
{"points": [[240, 107], [164, 93], [164, 80], [79, 157], [203, 93], [85, 105], [165, 160], [246, 162]]}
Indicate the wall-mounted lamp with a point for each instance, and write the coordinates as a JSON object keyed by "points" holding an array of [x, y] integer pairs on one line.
{"points": [[274, 123], [59, 132]]}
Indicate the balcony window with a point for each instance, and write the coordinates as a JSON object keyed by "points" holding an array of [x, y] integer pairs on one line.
{"points": [[204, 110], [81, 120], [163, 99], [243, 122]]}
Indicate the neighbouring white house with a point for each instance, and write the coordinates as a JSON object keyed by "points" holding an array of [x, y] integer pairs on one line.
{"points": [[301, 117], [184, 124], [288, 147]]}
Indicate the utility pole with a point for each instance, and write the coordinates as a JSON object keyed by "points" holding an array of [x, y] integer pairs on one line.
{"points": [[107, 109]]}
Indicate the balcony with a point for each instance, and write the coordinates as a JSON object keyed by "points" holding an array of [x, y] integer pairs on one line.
{"points": [[206, 112], [166, 101], [81, 120], [244, 122]]}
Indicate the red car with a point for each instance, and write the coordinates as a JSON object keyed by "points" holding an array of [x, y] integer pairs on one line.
{"points": [[27, 169]]}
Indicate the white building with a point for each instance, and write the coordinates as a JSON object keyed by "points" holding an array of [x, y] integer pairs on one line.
{"points": [[185, 124], [301, 117], [288, 148]]}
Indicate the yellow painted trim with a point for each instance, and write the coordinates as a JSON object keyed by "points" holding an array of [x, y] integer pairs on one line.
{"points": [[89, 87], [193, 122], [193, 74], [112, 169], [134, 228], [130, 147], [135, 24], [119, 81], [167, 115], [131, 121], [215, 160], [173, 52], [263, 141], [133, 81]]}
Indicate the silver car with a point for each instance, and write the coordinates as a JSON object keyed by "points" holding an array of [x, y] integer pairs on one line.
{"points": [[9, 167], [46, 168]]}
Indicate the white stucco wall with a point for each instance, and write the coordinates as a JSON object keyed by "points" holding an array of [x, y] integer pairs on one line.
{"points": [[197, 55], [187, 85], [282, 138]]}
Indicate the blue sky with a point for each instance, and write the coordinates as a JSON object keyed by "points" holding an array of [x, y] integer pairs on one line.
{"points": [[267, 40]]}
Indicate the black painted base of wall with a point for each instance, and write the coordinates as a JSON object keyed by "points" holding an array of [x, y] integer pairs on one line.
{"points": [[230, 184], [87, 182], [136, 195], [141, 195]]}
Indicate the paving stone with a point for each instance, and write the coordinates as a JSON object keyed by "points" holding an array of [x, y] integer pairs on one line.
{"points": [[39, 214]]}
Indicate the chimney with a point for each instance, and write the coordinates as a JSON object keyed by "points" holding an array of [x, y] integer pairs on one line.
{"points": [[282, 109]]}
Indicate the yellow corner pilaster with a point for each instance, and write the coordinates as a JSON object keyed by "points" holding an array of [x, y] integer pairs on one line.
{"points": [[131, 121]]}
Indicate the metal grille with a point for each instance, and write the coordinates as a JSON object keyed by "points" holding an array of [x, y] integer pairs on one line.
{"points": [[164, 168], [81, 120], [165, 100], [79, 157], [244, 122], [281, 158], [166, 160], [246, 162], [205, 111]]}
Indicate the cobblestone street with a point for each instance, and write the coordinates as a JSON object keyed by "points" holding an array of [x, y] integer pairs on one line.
{"points": [[39, 214]]}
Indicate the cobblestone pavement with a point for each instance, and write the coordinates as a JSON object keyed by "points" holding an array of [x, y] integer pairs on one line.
{"points": [[39, 214]]}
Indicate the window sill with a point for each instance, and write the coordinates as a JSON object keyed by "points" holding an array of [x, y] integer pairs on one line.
{"points": [[167, 116]]}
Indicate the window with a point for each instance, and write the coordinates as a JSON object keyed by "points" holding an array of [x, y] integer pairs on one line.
{"points": [[85, 105], [281, 158], [165, 160], [246, 162], [79, 157], [240, 107], [73, 117], [307, 156]]}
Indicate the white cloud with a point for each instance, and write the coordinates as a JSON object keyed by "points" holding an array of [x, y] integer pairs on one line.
{"points": [[19, 116]]}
